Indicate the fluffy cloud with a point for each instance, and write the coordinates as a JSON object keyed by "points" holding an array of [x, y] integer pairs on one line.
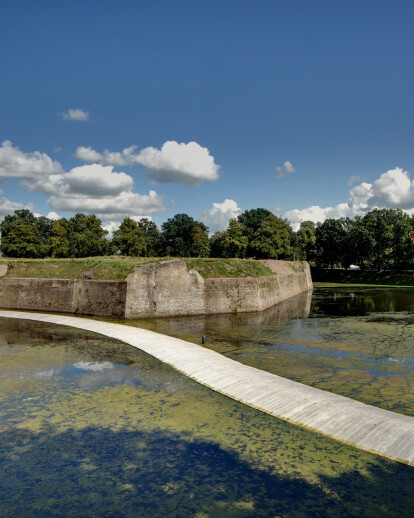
{"points": [[96, 180], [88, 188], [111, 207], [114, 158], [189, 163], [75, 114], [316, 213], [96, 188], [16, 164], [391, 190], [53, 215], [219, 216], [8, 207], [87, 154], [287, 167]]}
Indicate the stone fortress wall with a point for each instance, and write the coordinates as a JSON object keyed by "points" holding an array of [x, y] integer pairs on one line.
{"points": [[157, 290]]}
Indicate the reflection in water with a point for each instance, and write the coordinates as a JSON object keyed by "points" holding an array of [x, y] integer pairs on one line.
{"points": [[110, 431]]}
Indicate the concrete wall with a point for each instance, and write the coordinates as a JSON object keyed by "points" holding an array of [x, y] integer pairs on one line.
{"points": [[158, 290], [229, 295], [103, 298], [168, 288], [164, 289]]}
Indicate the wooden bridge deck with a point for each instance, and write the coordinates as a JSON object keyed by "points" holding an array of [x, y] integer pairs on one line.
{"points": [[363, 426]]}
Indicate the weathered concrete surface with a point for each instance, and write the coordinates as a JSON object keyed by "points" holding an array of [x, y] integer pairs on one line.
{"points": [[164, 289], [229, 295], [364, 426], [158, 290], [104, 298]]}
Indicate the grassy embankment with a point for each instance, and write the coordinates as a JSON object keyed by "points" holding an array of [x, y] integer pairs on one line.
{"points": [[118, 268], [358, 277]]}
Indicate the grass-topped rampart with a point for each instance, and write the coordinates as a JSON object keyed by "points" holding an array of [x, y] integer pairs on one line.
{"points": [[385, 278], [117, 267]]}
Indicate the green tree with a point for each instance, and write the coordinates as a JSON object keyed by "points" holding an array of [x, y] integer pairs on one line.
{"points": [[23, 240], [153, 237], [129, 239], [380, 223], [86, 236], [201, 243], [233, 243], [305, 241], [272, 239], [178, 235], [330, 241], [25, 235], [250, 221], [59, 246]]}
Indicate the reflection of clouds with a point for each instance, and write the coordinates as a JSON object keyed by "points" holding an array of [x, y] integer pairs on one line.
{"points": [[94, 366], [47, 374]]}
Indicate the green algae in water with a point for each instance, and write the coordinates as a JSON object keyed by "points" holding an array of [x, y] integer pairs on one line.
{"points": [[106, 430], [332, 342]]}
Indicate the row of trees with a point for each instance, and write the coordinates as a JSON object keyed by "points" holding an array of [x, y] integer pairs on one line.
{"points": [[380, 239], [255, 233]]}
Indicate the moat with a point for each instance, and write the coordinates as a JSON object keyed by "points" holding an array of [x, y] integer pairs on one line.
{"points": [[94, 427]]}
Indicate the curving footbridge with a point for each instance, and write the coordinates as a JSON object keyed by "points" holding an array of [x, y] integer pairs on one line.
{"points": [[366, 427]]}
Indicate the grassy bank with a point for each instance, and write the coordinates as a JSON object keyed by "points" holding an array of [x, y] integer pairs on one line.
{"points": [[363, 277], [118, 268]]}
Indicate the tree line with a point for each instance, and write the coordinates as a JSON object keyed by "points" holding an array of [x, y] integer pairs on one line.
{"points": [[380, 239]]}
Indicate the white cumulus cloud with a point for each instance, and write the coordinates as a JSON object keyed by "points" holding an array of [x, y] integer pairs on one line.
{"points": [[189, 163], [316, 213], [53, 215], [96, 180], [17, 164], [218, 217], [393, 189], [116, 207], [75, 114], [8, 207], [87, 154]]}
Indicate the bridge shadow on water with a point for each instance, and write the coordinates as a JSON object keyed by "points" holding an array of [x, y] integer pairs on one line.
{"points": [[105, 473]]}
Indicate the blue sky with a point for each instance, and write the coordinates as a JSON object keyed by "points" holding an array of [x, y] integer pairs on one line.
{"points": [[304, 108]]}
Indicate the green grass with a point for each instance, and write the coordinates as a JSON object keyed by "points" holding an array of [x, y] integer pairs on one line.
{"points": [[337, 277], [207, 267], [117, 268], [103, 268]]}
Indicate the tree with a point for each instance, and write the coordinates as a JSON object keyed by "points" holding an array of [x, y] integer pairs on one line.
{"points": [[201, 243], [232, 241], [153, 237], [178, 235], [250, 222], [129, 239], [272, 239], [59, 246], [23, 240], [24, 235], [86, 236], [305, 241], [330, 241]]}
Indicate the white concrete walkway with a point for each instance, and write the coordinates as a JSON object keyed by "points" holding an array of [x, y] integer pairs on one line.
{"points": [[364, 426]]}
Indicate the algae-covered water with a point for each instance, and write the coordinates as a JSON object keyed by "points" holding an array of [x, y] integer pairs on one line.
{"points": [[92, 427], [358, 342]]}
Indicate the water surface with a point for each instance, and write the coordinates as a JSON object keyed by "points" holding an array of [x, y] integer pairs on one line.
{"points": [[93, 427], [357, 342]]}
